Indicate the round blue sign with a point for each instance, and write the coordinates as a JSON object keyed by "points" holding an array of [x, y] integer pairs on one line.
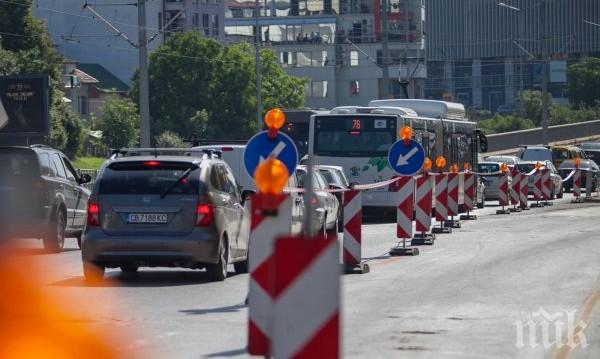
{"points": [[406, 158], [260, 147]]}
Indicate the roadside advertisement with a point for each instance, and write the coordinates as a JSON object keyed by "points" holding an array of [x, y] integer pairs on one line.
{"points": [[24, 105]]}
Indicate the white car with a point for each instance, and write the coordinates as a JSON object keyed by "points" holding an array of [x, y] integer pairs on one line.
{"points": [[327, 205]]}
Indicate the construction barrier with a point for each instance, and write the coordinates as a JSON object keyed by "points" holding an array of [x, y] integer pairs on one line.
{"points": [[515, 192], [470, 190], [503, 193], [546, 186], [577, 185], [352, 257], [537, 187], [441, 203], [524, 191], [306, 294], [453, 180], [405, 188], [271, 217], [423, 209]]}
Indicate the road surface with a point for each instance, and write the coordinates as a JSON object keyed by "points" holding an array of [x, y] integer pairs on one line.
{"points": [[461, 298]]}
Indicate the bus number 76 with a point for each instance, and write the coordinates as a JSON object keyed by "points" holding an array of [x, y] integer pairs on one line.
{"points": [[356, 124]]}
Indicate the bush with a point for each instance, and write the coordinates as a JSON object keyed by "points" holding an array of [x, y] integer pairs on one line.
{"points": [[169, 139]]}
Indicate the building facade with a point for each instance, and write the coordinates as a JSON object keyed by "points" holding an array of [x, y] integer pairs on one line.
{"points": [[81, 36], [336, 45], [483, 53]]}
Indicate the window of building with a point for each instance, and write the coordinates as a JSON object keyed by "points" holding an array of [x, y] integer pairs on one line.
{"points": [[83, 105], [303, 58], [354, 88], [160, 21], [205, 24], [196, 20], [286, 58], [319, 89], [353, 58], [215, 24]]}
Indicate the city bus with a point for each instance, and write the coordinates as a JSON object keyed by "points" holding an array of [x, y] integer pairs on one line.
{"points": [[358, 139], [296, 126]]}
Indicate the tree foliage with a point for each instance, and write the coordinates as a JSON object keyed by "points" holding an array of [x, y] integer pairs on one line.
{"points": [[32, 52], [169, 139], [584, 82], [509, 123], [198, 85], [119, 123]]}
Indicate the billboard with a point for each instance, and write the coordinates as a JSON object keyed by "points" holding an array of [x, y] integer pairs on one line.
{"points": [[24, 107]]}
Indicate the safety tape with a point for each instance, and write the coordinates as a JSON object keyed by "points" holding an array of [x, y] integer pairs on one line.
{"points": [[569, 176]]}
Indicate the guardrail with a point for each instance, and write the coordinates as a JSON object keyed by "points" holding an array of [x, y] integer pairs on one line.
{"points": [[509, 140]]}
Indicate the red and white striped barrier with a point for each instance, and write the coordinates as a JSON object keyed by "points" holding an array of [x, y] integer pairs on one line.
{"points": [[352, 242], [577, 184], [453, 181], [423, 208], [524, 191], [503, 193], [515, 193], [546, 185], [271, 217], [470, 189], [441, 203], [405, 188], [306, 295], [537, 185]]}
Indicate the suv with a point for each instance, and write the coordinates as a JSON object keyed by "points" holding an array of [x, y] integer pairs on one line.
{"points": [[562, 153], [166, 211], [41, 196]]}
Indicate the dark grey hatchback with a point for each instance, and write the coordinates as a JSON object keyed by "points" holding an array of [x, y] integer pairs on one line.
{"points": [[165, 211]]}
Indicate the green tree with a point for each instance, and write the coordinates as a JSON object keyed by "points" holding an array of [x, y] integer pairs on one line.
{"points": [[584, 82], [32, 52], [169, 139], [190, 73], [119, 123], [499, 124]]}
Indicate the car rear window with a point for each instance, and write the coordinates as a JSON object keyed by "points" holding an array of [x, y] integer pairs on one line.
{"points": [[488, 167], [150, 177], [560, 154], [17, 166], [594, 155], [536, 155], [526, 167]]}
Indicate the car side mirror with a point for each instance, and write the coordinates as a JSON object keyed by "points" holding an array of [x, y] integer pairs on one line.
{"points": [[85, 178], [246, 195]]}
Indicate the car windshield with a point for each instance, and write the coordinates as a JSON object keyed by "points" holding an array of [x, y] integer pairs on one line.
{"points": [[593, 155], [525, 167], [149, 178], [590, 146], [560, 154], [536, 154], [488, 167], [17, 166]]}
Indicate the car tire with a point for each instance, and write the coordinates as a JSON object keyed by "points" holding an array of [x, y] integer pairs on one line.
{"points": [[333, 231], [217, 272], [79, 240], [482, 203], [560, 194], [129, 268], [54, 241], [340, 221], [93, 272]]}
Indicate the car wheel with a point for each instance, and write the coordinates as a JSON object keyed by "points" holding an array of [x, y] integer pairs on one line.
{"points": [[93, 272], [79, 240], [340, 221], [241, 267], [560, 194], [333, 231], [129, 268], [482, 203], [54, 241], [218, 272]]}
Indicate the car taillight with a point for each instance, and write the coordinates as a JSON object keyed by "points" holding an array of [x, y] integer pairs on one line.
{"points": [[204, 214], [93, 213], [314, 201], [226, 149]]}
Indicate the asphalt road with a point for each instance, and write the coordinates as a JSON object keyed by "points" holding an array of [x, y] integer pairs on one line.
{"points": [[460, 298]]}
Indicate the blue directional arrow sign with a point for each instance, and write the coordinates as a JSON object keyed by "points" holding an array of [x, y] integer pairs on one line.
{"points": [[260, 147], [406, 158]]}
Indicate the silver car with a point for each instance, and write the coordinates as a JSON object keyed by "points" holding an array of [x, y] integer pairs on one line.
{"points": [[165, 211], [557, 186], [491, 182], [327, 206]]}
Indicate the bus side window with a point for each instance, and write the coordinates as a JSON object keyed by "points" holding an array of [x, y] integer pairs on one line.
{"points": [[453, 149], [425, 143]]}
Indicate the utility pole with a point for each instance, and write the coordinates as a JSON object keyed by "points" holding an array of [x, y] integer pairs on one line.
{"points": [[258, 65], [385, 72], [144, 93], [544, 73]]}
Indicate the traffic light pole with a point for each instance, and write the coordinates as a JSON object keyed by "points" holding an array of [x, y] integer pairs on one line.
{"points": [[143, 63]]}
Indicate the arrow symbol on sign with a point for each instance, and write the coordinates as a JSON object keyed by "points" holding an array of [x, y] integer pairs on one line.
{"points": [[403, 160], [276, 151]]}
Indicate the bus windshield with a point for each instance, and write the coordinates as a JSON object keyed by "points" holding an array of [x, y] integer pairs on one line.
{"points": [[354, 136]]}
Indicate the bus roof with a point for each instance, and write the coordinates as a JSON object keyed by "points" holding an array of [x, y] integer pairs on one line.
{"points": [[405, 112], [426, 108], [301, 115]]}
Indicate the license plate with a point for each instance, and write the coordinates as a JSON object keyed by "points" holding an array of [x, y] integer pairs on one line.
{"points": [[147, 218]]}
